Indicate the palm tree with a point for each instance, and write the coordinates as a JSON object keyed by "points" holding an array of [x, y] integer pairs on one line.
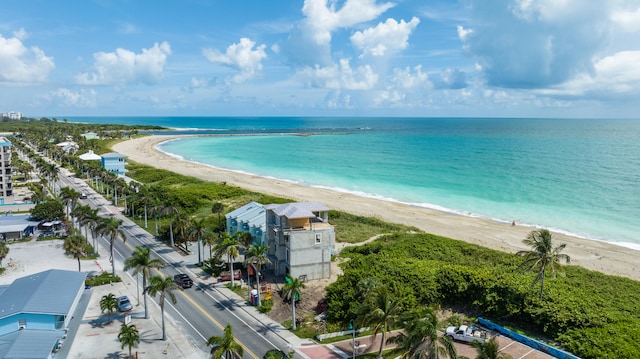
{"points": [[291, 291], [141, 262], [111, 228], [108, 303], [91, 220], [490, 349], [128, 336], [257, 254], [170, 210], [542, 256], [74, 245], [229, 246], [225, 346], [218, 208], [420, 339], [164, 286], [197, 232], [4, 252], [210, 238], [147, 199], [381, 311]]}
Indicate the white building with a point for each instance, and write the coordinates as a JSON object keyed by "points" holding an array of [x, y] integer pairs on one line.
{"points": [[6, 186], [13, 115]]}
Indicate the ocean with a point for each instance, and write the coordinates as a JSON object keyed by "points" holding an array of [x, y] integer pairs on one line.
{"points": [[576, 176]]}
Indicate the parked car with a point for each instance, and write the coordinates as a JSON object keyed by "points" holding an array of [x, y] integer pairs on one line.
{"points": [[226, 275], [124, 304], [275, 354], [183, 280]]}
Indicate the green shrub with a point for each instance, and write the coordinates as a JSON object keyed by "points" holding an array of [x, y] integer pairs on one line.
{"points": [[265, 306], [101, 279]]}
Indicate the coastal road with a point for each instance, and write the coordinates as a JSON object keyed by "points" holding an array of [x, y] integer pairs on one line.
{"points": [[201, 311]]}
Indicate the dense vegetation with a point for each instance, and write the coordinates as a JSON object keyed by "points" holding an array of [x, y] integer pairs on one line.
{"points": [[587, 313]]}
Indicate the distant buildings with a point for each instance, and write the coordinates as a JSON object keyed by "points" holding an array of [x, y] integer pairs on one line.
{"points": [[13, 115], [300, 238], [6, 187]]}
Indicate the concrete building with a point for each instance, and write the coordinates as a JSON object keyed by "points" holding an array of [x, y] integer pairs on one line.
{"points": [[114, 162], [6, 186], [36, 311], [248, 218], [13, 115], [300, 239]]}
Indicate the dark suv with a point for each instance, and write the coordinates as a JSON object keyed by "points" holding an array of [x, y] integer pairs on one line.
{"points": [[183, 280]]}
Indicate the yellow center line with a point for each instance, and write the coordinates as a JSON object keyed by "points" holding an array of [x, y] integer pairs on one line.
{"points": [[212, 319]]}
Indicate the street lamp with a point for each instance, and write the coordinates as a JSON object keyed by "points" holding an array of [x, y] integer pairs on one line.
{"points": [[353, 341]]}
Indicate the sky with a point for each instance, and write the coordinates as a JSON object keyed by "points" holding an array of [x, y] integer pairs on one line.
{"points": [[404, 58]]}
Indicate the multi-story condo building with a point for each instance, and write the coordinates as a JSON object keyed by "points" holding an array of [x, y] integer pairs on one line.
{"points": [[6, 187], [301, 240]]}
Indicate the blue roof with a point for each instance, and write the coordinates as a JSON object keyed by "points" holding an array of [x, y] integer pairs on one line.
{"points": [[15, 223], [29, 344], [49, 292], [252, 213]]}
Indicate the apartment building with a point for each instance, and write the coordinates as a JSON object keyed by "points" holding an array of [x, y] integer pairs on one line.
{"points": [[6, 186]]}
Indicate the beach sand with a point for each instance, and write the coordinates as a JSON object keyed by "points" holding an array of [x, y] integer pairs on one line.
{"points": [[596, 255]]}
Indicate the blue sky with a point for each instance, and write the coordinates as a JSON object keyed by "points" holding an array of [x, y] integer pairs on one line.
{"points": [[484, 58]]}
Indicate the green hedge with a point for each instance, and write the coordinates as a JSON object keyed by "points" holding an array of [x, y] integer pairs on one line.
{"points": [[101, 279]]}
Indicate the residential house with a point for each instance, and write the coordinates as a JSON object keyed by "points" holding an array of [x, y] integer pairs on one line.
{"points": [[90, 136], [248, 218], [90, 156], [17, 226], [6, 186], [300, 239], [114, 162], [36, 311]]}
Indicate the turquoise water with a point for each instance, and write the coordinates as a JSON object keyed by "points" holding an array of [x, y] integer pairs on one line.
{"points": [[576, 176]]}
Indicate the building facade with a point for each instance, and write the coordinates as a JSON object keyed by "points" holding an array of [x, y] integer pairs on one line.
{"points": [[114, 162], [248, 218], [300, 239], [6, 186]]}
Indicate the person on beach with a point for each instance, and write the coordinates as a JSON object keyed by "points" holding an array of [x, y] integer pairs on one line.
{"points": [[513, 223]]}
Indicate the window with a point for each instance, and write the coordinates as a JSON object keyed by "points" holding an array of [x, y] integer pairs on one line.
{"points": [[318, 238]]}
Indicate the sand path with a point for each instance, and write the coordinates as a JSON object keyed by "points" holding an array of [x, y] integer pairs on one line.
{"points": [[595, 255]]}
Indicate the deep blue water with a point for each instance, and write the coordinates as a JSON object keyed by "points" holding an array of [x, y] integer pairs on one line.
{"points": [[576, 176]]}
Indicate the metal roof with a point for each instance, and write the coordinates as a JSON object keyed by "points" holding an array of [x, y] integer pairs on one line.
{"points": [[89, 156], [252, 213], [29, 344], [49, 292], [298, 209], [113, 155], [15, 223]]}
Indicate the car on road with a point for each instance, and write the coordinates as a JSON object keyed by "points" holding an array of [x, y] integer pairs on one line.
{"points": [[124, 304], [183, 280], [275, 354]]}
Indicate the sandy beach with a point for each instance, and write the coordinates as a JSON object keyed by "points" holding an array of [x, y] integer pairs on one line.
{"points": [[596, 255]]}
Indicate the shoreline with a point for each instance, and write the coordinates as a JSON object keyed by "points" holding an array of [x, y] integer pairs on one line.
{"points": [[596, 255]]}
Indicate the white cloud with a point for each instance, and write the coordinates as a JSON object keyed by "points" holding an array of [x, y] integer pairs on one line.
{"points": [[240, 56], [386, 38], [69, 98], [322, 20], [407, 80], [19, 64], [126, 67], [627, 20], [340, 76], [536, 43], [615, 75]]}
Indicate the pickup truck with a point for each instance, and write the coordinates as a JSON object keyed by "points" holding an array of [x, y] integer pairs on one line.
{"points": [[467, 334]]}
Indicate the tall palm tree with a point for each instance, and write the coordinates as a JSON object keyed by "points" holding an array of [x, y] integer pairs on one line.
{"points": [[181, 227], [108, 303], [292, 292], [257, 255], [196, 233], [91, 220], [128, 336], [146, 198], [165, 287], [111, 229], [542, 256], [217, 208], [74, 245], [141, 262], [421, 340], [490, 349], [170, 210], [230, 247], [381, 311], [225, 346], [210, 238]]}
